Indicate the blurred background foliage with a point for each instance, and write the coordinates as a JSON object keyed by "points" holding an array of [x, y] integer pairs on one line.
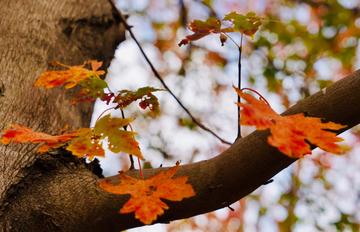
{"points": [[302, 47]]}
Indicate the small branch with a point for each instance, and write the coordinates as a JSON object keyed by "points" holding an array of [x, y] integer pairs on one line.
{"points": [[239, 87], [158, 76]]}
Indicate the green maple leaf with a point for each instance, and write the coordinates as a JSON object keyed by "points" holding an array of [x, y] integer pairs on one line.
{"points": [[247, 24]]}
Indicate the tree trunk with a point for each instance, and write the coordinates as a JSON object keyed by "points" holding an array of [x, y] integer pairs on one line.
{"points": [[58, 192], [33, 33]]}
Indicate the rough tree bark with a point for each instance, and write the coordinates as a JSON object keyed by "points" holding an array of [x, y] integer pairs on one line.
{"points": [[58, 192], [33, 33]]}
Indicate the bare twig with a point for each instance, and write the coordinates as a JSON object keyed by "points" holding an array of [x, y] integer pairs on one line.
{"points": [[158, 76], [239, 87]]}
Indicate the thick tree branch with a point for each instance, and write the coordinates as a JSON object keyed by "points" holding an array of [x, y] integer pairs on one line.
{"points": [[71, 197], [251, 161]]}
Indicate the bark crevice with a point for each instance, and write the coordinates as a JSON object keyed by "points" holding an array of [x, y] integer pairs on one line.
{"points": [[45, 164]]}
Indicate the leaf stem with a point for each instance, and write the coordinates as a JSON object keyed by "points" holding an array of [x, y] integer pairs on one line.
{"points": [[158, 76]]}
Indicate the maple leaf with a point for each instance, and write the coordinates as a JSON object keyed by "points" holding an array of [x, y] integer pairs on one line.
{"points": [[148, 100], [256, 112], [247, 24], [204, 28], [91, 89], [21, 134], [118, 140], [146, 194], [91, 85], [86, 144], [290, 134], [70, 77]]}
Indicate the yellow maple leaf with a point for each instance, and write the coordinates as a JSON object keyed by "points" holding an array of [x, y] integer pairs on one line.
{"points": [[146, 194]]}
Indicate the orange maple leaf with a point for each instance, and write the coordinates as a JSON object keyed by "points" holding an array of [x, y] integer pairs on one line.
{"points": [[290, 134], [21, 134], [146, 194], [70, 77]]}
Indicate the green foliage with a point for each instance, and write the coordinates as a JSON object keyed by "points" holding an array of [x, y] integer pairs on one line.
{"points": [[247, 24]]}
